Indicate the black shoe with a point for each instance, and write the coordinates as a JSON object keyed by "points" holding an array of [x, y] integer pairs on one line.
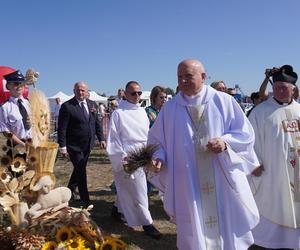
{"points": [[115, 214], [151, 231]]}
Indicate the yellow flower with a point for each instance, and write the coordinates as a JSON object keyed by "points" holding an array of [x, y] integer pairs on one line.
{"points": [[18, 165], [112, 243], [49, 245], [5, 161], [63, 234], [76, 243], [120, 244], [97, 245]]}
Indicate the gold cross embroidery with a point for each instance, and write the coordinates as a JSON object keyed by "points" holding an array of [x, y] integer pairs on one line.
{"points": [[211, 222], [207, 189]]}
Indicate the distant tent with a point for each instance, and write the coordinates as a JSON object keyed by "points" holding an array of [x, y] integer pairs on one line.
{"points": [[61, 95], [97, 98]]}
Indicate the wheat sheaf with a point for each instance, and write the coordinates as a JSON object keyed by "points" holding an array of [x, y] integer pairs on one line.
{"points": [[40, 117]]}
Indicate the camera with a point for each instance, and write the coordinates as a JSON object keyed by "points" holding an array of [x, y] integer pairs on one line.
{"points": [[271, 72]]}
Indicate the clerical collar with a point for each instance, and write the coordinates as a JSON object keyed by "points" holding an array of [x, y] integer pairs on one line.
{"points": [[282, 103]]}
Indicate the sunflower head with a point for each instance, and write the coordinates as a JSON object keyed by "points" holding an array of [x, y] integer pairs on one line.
{"points": [[49, 245], [5, 161], [4, 149], [18, 165], [63, 234], [76, 243], [5, 177], [110, 242], [32, 159]]}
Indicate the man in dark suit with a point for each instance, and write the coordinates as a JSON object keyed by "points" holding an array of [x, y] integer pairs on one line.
{"points": [[78, 124]]}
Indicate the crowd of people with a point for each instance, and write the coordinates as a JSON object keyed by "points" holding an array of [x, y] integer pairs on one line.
{"points": [[229, 181]]}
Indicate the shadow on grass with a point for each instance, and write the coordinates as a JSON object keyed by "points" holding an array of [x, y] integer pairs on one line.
{"points": [[101, 215]]}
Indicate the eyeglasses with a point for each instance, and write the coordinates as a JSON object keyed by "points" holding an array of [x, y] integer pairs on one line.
{"points": [[136, 93], [163, 97]]}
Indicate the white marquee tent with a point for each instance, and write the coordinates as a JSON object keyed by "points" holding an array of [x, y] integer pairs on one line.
{"points": [[61, 95], [97, 98], [64, 97]]}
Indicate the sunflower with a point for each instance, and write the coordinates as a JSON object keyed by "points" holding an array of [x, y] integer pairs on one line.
{"points": [[5, 177], [49, 245], [5, 161], [120, 244], [32, 159], [4, 149], [76, 243], [18, 165], [63, 234], [112, 243], [97, 245]]}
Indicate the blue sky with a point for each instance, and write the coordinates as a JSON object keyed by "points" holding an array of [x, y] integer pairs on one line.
{"points": [[110, 42]]}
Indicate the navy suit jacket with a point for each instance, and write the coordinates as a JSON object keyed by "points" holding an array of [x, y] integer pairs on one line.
{"points": [[74, 131]]}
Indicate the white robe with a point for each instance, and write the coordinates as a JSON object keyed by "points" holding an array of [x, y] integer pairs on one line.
{"points": [[272, 190], [237, 211], [129, 126]]}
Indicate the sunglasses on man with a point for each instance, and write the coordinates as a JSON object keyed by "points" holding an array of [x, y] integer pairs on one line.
{"points": [[136, 93]]}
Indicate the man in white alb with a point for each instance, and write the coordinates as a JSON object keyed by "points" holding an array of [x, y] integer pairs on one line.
{"points": [[276, 183], [206, 150], [129, 126]]}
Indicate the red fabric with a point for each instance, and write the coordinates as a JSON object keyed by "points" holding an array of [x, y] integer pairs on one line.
{"points": [[4, 93]]}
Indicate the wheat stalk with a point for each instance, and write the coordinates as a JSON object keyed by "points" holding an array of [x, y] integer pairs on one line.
{"points": [[139, 157], [40, 117]]}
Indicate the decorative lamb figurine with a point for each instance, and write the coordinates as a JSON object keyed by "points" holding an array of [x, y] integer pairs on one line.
{"points": [[48, 200]]}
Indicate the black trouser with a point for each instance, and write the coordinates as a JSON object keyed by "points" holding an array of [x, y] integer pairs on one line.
{"points": [[255, 247], [79, 177]]}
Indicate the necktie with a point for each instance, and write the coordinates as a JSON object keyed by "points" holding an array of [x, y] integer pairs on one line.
{"points": [[24, 114], [85, 113]]}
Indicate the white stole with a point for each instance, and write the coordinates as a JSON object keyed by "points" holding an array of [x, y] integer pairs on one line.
{"points": [[206, 175]]}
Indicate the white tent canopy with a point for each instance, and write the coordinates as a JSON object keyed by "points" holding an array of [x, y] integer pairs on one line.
{"points": [[61, 95], [64, 97], [97, 98]]}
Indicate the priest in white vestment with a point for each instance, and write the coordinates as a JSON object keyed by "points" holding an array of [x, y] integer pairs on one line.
{"points": [[129, 126], [275, 184], [205, 152]]}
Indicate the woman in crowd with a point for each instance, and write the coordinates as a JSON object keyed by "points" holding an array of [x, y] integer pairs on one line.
{"points": [[158, 97]]}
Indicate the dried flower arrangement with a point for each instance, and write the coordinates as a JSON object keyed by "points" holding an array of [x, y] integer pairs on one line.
{"points": [[21, 167], [16, 173], [139, 157]]}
